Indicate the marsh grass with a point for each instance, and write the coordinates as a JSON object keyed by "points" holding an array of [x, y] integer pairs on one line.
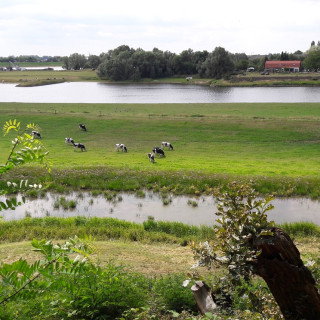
{"points": [[150, 231], [175, 183], [101, 229], [301, 229], [192, 203], [140, 194], [64, 203]]}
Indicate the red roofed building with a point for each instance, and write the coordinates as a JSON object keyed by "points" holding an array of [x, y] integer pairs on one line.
{"points": [[292, 66]]}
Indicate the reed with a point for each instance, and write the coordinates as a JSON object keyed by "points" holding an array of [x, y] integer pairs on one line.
{"points": [[101, 229], [149, 231], [301, 229]]}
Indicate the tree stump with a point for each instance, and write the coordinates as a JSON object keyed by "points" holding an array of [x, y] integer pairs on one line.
{"points": [[203, 297], [290, 282]]}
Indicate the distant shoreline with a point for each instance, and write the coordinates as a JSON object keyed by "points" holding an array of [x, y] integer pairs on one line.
{"points": [[47, 76]]}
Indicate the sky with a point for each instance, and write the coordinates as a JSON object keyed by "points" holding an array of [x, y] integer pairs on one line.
{"points": [[91, 27]]}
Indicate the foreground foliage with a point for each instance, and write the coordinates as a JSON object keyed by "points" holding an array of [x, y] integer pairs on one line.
{"points": [[67, 283], [25, 149]]}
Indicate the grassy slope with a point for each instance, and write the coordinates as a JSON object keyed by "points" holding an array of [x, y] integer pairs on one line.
{"points": [[242, 139], [150, 259]]}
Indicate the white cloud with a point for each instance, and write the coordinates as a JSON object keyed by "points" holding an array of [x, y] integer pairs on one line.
{"points": [[33, 27]]}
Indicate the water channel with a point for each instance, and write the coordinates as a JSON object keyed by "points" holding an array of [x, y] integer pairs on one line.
{"points": [[130, 207], [95, 92]]}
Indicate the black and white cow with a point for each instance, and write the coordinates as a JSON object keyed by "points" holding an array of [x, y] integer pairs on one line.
{"points": [[151, 157], [79, 146], [36, 134], [167, 144], [69, 140], [82, 127], [158, 151], [122, 147]]}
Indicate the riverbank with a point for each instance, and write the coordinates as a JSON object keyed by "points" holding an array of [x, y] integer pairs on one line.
{"points": [[45, 77], [163, 246]]}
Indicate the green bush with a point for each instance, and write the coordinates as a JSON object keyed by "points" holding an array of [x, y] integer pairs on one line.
{"points": [[172, 295], [61, 287]]}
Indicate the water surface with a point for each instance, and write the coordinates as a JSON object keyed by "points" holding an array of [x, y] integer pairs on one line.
{"points": [[95, 92], [136, 209]]}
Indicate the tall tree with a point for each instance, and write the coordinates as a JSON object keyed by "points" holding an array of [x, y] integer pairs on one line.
{"points": [[93, 61], [218, 64], [77, 61], [312, 61]]}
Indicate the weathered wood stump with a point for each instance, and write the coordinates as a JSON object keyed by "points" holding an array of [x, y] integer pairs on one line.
{"points": [[290, 282], [203, 296]]}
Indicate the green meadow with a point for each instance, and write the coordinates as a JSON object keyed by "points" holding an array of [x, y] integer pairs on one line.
{"points": [[275, 144]]}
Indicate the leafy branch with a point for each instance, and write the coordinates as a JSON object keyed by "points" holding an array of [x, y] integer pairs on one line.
{"points": [[25, 149], [19, 276]]}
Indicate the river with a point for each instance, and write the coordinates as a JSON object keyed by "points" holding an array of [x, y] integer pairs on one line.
{"points": [[97, 92]]}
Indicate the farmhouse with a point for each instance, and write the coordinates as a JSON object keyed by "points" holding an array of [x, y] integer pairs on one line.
{"points": [[281, 66]]}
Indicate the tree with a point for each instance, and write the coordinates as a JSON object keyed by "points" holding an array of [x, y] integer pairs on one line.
{"points": [[117, 65], [240, 61], [251, 245], [284, 56], [183, 63], [77, 61], [218, 64], [312, 61], [25, 149], [93, 62]]}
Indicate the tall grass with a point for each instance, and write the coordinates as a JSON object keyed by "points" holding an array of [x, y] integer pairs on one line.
{"points": [[110, 228], [109, 180], [301, 229], [101, 229]]}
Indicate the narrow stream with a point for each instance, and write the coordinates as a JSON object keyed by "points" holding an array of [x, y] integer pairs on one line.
{"points": [[135, 208]]}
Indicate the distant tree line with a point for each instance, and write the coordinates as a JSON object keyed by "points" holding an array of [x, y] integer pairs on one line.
{"points": [[30, 58], [125, 63]]}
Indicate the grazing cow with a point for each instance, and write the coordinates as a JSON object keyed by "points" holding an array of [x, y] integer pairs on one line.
{"points": [[36, 134], [167, 144], [82, 127], [79, 146], [158, 151], [122, 147], [151, 157], [69, 140]]}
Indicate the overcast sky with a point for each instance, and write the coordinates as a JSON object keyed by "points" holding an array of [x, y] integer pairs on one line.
{"points": [[63, 27]]}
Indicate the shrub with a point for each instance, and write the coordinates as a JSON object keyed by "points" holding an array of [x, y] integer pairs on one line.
{"points": [[172, 294]]}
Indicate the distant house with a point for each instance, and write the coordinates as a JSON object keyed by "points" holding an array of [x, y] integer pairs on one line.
{"points": [[281, 66]]}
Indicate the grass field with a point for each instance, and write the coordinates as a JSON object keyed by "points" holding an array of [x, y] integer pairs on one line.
{"points": [[40, 75], [277, 140]]}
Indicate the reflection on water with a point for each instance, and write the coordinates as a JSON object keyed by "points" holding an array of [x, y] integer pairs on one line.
{"points": [[95, 92], [130, 207]]}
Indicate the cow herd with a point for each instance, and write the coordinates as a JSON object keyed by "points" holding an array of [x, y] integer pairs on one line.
{"points": [[156, 151]]}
